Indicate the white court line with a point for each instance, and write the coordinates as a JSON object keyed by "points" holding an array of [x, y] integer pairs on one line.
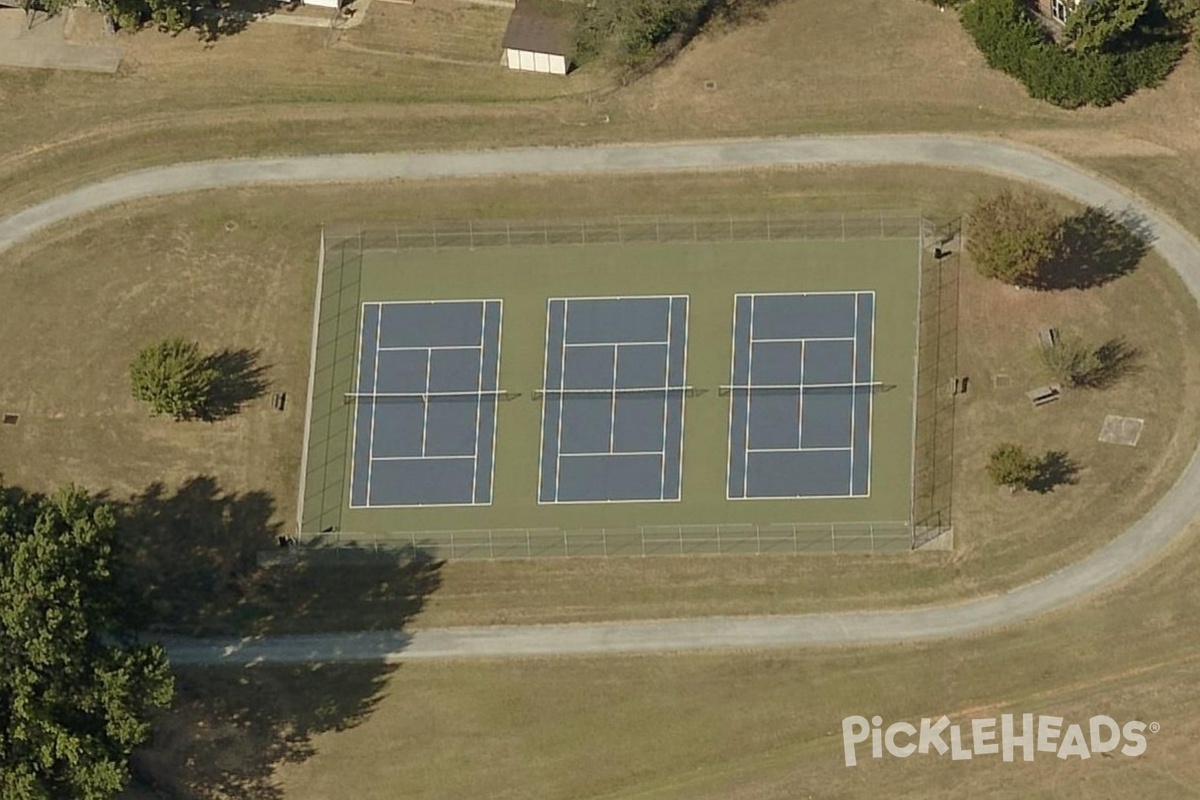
{"points": [[733, 353], [562, 380], [662, 464], [495, 408], [358, 370], [853, 395], [790, 340], [425, 400], [479, 400], [687, 305], [435, 347], [602, 454], [424, 458], [612, 408], [800, 403], [617, 344], [545, 382], [374, 386], [799, 449], [871, 400], [750, 379]]}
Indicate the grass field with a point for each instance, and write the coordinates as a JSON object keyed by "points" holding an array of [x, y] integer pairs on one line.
{"points": [[749, 726], [164, 267], [710, 274]]}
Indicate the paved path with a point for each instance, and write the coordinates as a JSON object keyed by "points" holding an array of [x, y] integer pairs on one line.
{"points": [[1132, 551]]}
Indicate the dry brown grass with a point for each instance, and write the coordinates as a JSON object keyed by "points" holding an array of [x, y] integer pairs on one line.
{"points": [[747, 726], [439, 30]]}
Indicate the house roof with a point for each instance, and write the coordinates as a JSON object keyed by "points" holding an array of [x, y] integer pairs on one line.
{"points": [[539, 27]]}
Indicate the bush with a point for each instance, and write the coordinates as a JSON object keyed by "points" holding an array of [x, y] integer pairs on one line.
{"points": [[1012, 237], [1013, 42], [1012, 466], [174, 377]]}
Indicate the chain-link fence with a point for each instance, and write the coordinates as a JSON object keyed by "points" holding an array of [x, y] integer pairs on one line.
{"points": [[628, 230], [655, 540]]}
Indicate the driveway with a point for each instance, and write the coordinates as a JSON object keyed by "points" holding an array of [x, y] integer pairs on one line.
{"points": [[1121, 559]]}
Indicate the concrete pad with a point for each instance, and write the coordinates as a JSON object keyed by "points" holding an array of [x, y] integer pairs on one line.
{"points": [[44, 55]]}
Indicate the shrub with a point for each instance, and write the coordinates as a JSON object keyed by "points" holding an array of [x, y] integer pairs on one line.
{"points": [[1013, 42], [1012, 466], [174, 377]]}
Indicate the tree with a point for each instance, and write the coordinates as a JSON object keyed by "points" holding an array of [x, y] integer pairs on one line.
{"points": [[1012, 466], [169, 15], [174, 378], [1097, 25], [1071, 361], [1013, 236], [75, 690]]}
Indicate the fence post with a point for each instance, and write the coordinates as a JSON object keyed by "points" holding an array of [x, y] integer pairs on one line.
{"points": [[604, 540], [491, 545], [758, 540], [528, 545], [679, 537], [832, 538], [871, 530], [881, 224], [471, 233], [508, 232], [718, 539], [768, 226], [566, 547], [453, 552], [843, 227]]}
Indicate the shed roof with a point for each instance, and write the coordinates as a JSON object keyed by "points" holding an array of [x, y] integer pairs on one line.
{"points": [[539, 27]]}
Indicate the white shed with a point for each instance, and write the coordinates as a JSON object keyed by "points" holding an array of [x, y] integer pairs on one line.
{"points": [[537, 39]]}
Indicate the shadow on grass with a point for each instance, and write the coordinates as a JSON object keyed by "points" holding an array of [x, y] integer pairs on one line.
{"points": [[1054, 469], [231, 727], [1113, 360], [240, 379], [217, 19], [1096, 246], [191, 557]]}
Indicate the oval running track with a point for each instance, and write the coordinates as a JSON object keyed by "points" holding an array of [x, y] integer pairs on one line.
{"points": [[1126, 555]]}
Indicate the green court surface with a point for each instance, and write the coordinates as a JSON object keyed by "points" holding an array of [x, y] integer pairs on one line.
{"points": [[361, 269]]}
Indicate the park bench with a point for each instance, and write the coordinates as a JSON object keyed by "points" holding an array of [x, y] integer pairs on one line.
{"points": [[1044, 394]]}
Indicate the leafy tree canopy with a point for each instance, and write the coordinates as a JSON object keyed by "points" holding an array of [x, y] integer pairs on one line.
{"points": [[1012, 466], [75, 693], [1099, 24], [1013, 236], [174, 377]]}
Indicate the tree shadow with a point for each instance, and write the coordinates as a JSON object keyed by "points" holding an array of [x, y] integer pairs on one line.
{"points": [[1112, 361], [1096, 246], [240, 379], [217, 19], [231, 727], [1054, 469], [192, 557]]}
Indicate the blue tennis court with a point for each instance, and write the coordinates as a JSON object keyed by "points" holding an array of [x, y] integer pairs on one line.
{"points": [[426, 396], [612, 399], [801, 392]]}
